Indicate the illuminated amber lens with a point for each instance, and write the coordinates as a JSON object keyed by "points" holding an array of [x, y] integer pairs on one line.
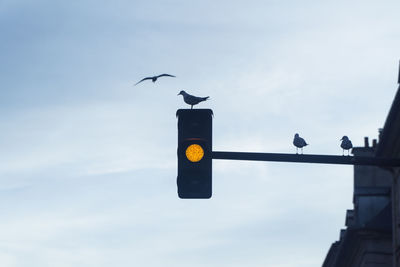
{"points": [[194, 153]]}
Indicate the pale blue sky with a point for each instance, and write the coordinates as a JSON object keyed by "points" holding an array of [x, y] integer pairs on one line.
{"points": [[88, 161]]}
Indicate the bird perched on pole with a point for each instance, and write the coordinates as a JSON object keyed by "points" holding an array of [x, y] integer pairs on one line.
{"points": [[299, 142], [154, 78], [191, 99], [346, 144]]}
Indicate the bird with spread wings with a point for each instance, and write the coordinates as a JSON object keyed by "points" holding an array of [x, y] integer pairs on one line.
{"points": [[154, 78]]}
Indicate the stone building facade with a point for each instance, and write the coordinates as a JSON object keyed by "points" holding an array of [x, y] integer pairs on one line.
{"points": [[372, 234]]}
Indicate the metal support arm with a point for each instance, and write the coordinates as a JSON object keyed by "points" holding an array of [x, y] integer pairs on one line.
{"points": [[324, 159]]}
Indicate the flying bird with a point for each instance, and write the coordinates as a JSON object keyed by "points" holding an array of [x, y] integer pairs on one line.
{"points": [[299, 142], [191, 99], [346, 144], [154, 78]]}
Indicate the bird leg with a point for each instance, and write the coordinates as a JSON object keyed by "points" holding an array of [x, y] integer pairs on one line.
{"points": [[191, 107]]}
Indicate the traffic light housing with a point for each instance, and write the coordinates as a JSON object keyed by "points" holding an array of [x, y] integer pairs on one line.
{"points": [[194, 153]]}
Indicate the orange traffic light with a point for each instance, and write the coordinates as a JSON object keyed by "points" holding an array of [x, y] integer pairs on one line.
{"points": [[194, 153]]}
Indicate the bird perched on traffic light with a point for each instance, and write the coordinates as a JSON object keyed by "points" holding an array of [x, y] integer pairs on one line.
{"points": [[154, 78], [191, 99], [299, 142], [346, 144]]}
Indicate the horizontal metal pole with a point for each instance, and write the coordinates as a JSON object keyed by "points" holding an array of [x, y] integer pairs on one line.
{"points": [[324, 159]]}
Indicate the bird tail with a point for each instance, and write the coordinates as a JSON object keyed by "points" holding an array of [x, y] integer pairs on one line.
{"points": [[206, 98]]}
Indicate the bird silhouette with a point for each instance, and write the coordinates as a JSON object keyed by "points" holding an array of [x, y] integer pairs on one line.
{"points": [[154, 78], [346, 144], [191, 99], [299, 142]]}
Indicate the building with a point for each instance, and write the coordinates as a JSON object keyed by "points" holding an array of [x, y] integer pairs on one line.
{"points": [[372, 234]]}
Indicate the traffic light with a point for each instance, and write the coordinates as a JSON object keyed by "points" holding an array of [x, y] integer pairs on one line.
{"points": [[194, 153]]}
